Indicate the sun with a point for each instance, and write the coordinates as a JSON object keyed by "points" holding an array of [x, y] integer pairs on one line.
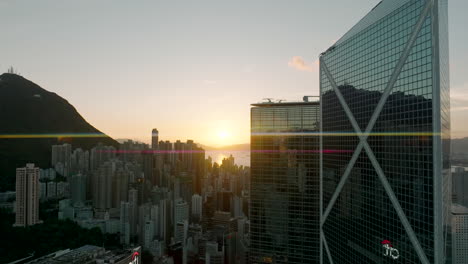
{"points": [[223, 134]]}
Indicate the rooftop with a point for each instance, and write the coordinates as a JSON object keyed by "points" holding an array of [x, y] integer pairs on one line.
{"points": [[70, 256], [305, 101], [458, 209]]}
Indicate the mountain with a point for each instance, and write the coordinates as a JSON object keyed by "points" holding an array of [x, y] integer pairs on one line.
{"points": [[26, 108]]}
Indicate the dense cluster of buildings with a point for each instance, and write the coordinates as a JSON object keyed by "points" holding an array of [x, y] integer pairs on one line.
{"points": [[167, 198]]}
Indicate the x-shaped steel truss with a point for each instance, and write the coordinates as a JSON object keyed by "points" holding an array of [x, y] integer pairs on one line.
{"points": [[364, 144]]}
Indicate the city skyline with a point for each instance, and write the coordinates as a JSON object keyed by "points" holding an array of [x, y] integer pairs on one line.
{"points": [[150, 76]]}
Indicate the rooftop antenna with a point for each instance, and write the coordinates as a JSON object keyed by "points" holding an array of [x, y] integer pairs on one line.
{"points": [[306, 97], [269, 99], [12, 70], [280, 100]]}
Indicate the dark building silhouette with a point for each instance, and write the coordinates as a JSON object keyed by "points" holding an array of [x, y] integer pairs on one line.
{"points": [[284, 198], [154, 139]]}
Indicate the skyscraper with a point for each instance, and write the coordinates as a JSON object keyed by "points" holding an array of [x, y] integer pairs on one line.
{"points": [[148, 234], [133, 211], [165, 218], [154, 139], [181, 212], [102, 186], [459, 234], [198, 168], [197, 207], [460, 186], [385, 117], [27, 195], [61, 158], [125, 211], [284, 207]]}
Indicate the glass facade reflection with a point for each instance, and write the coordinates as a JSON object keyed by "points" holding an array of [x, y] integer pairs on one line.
{"points": [[284, 209], [385, 101]]}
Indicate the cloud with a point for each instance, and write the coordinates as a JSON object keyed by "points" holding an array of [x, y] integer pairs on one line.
{"points": [[300, 64]]}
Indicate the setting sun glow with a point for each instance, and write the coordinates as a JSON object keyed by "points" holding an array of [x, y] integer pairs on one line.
{"points": [[223, 135]]}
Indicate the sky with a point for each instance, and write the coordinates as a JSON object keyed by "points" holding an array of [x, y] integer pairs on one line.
{"points": [[189, 68]]}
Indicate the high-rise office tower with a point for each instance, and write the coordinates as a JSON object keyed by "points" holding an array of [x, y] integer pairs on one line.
{"points": [[284, 201], [27, 195], [154, 139], [385, 118]]}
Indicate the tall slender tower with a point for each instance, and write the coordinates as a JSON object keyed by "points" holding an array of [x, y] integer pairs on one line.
{"points": [[154, 139], [27, 195], [385, 104]]}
